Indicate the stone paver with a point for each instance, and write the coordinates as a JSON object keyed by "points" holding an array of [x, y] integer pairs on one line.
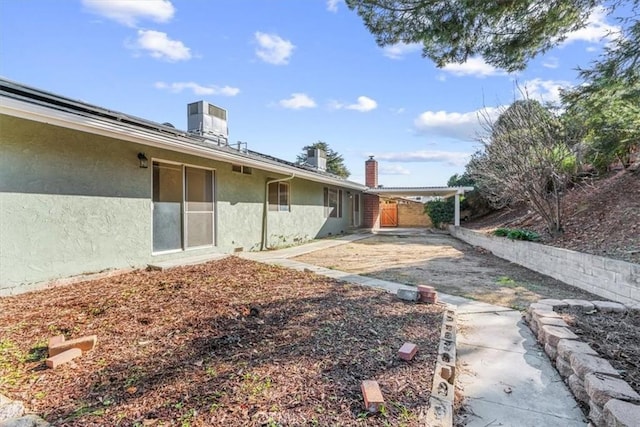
{"points": [[621, 414], [602, 388], [609, 307], [567, 347], [584, 364], [579, 304]]}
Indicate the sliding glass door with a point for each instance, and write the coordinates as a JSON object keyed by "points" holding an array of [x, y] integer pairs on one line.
{"points": [[182, 207]]}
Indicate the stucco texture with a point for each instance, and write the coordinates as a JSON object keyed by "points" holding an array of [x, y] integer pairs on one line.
{"points": [[73, 203]]}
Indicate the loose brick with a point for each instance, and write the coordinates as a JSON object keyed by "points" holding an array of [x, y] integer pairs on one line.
{"points": [[602, 388], [584, 364], [425, 288], [372, 395], [577, 387], [617, 413], [407, 351], [553, 334], [609, 307], [64, 357], [408, 294], [446, 372], [83, 343], [54, 341], [567, 347]]}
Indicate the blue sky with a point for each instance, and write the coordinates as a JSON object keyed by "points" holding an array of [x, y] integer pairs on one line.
{"points": [[289, 72]]}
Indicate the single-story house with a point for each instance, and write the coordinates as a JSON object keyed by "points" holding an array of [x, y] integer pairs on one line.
{"points": [[85, 189]]}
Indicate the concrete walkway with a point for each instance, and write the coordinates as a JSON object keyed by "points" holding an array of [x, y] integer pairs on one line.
{"points": [[507, 379]]}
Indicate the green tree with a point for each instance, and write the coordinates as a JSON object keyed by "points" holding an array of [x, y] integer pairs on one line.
{"points": [[506, 33], [335, 161], [607, 104]]}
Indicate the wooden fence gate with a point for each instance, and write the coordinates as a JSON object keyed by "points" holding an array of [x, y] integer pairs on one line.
{"points": [[389, 215]]}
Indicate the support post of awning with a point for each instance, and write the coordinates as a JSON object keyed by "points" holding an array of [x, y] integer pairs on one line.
{"points": [[456, 218]]}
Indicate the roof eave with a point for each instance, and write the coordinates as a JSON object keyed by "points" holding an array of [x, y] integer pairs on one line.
{"points": [[39, 113]]}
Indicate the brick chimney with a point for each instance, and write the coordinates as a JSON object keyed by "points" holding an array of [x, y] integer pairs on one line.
{"points": [[371, 173], [371, 217]]}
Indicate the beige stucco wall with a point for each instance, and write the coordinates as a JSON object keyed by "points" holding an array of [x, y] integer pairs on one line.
{"points": [[73, 203]]}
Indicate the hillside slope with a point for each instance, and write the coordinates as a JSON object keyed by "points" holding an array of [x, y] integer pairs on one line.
{"points": [[601, 217]]}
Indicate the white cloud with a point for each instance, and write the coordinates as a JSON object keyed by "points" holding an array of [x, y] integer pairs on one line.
{"points": [[551, 62], [597, 29], [273, 48], [363, 105], [464, 126], [399, 50], [160, 46], [451, 158], [332, 5], [298, 101], [129, 12], [385, 169], [198, 89], [544, 90], [476, 67]]}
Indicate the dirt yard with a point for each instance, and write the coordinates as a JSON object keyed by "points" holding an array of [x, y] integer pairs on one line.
{"points": [[227, 343], [451, 266]]}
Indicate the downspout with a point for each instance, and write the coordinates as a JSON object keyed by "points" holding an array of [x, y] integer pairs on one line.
{"points": [[265, 208]]}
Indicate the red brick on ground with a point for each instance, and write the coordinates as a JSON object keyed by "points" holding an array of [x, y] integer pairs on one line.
{"points": [[64, 357], [54, 341], [407, 351], [83, 343], [372, 395]]}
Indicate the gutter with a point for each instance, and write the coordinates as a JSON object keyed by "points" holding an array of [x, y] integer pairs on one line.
{"points": [[265, 208], [126, 132]]}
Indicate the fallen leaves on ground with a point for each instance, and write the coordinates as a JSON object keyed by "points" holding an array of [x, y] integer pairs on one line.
{"points": [[231, 342]]}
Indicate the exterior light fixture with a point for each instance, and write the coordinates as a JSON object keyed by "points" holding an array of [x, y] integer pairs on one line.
{"points": [[144, 162]]}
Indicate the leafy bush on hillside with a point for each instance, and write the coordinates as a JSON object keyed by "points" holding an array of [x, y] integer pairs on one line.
{"points": [[517, 234]]}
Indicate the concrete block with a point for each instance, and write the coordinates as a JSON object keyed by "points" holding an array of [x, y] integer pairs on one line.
{"points": [[609, 307], [567, 347], [564, 368], [537, 305], [553, 334], [551, 351], [64, 357], [407, 351], [584, 364], [447, 352], [579, 304], [83, 343], [372, 396], [30, 420], [595, 415], [442, 389], [553, 321], [577, 388], [408, 294], [439, 414], [618, 413], [11, 409], [602, 388], [555, 303]]}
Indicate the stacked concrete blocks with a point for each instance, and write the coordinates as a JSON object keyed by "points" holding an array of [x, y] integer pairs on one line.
{"points": [[592, 379], [440, 412]]}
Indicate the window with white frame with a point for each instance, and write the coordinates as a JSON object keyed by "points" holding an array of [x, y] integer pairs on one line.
{"points": [[279, 196], [332, 203]]}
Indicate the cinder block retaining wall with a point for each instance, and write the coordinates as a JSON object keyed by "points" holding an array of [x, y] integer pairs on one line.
{"points": [[609, 278]]}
